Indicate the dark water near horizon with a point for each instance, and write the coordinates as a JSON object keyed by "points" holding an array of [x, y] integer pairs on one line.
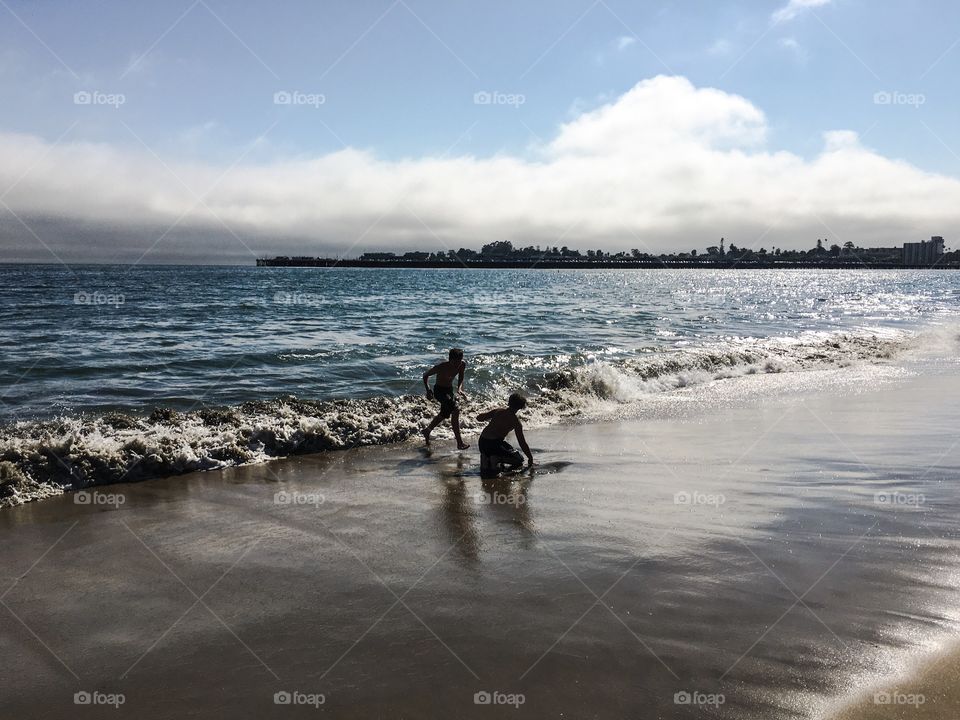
{"points": [[90, 339]]}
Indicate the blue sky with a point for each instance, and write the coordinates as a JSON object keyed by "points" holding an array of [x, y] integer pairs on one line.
{"points": [[398, 81]]}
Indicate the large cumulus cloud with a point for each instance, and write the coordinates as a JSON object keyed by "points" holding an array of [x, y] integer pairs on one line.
{"points": [[665, 166]]}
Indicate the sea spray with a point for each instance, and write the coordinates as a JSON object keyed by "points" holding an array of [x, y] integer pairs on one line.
{"points": [[43, 458]]}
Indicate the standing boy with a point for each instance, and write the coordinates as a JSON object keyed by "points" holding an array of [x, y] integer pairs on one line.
{"points": [[443, 392]]}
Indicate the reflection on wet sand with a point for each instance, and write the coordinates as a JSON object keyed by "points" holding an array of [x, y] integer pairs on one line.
{"points": [[406, 584], [466, 496]]}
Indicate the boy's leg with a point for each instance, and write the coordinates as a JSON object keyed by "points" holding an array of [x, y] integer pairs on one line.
{"points": [[455, 421], [491, 458], [512, 462], [488, 466], [510, 456], [441, 416]]}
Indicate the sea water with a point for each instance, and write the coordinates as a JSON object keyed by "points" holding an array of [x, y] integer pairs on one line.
{"points": [[126, 372]]}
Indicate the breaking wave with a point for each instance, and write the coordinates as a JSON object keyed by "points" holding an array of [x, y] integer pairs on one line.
{"points": [[44, 458]]}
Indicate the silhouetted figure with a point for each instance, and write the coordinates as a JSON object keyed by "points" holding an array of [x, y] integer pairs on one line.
{"points": [[444, 393], [495, 451]]}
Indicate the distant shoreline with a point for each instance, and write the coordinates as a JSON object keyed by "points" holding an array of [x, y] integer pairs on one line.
{"points": [[598, 264]]}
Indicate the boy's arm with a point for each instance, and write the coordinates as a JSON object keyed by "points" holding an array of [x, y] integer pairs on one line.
{"points": [[463, 369], [427, 374], [484, 416], [518, 429]]}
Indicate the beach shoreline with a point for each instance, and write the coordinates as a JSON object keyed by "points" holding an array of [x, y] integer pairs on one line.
{"points": [[395, 583], [44, 458], [926, 692]]}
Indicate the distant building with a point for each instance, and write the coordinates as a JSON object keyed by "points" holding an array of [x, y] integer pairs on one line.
{"points": [[925, 252]]}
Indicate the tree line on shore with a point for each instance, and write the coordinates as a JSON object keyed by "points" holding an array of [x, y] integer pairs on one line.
{"points": [[504, 251]]}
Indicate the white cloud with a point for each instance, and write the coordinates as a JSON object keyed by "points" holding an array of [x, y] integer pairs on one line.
{"points": [[795, 7], [664, 165], [625, 41]]}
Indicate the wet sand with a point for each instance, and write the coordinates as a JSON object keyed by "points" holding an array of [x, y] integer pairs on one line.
{"points": [[787, 543], [930, 692]]}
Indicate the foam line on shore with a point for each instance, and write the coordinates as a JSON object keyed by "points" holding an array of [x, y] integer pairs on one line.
{"points": [[43, 458]]}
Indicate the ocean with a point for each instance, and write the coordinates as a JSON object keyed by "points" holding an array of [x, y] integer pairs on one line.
{"points": [[743, 505], [127, 372]]}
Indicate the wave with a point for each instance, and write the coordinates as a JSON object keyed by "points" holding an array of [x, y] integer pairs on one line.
{"points": [[45, 458]]}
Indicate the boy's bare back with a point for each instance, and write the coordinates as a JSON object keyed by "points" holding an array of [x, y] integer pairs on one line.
{"points": [[502, 422]]}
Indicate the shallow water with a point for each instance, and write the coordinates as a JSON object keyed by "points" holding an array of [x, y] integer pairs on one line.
{"points": [[760, 539]]}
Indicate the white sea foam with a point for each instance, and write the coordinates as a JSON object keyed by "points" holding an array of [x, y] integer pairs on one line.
{"points": [[43, 458]]}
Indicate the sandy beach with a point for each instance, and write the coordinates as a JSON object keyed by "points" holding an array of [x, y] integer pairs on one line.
{"points": [[767, 546]]}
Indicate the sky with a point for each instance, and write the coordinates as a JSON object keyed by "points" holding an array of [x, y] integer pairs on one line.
{"points": [[203, 131]]}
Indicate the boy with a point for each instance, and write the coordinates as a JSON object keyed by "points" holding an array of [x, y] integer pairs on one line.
{"points": [[443, 392], [494, 450]]}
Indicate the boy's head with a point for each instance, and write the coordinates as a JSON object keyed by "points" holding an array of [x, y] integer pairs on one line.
{"points": [[456, 354], [517, 402]]}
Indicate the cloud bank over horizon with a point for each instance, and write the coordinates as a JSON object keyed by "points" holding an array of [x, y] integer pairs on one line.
{"points": [[665, 166]]}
